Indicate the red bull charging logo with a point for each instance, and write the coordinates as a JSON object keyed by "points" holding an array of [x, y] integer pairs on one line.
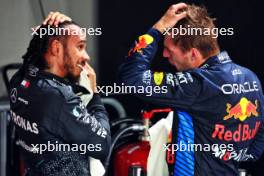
{"points": [[242, 110], [143, 42]]}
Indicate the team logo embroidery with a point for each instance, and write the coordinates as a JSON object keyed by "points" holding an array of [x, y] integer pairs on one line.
{"points": [[158, 78], [143, 42], [13, 95], [77, 111], [242, 110]]}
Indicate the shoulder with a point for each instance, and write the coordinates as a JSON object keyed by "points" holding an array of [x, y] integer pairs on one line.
{"points": [[55, 89], [245, 72]]}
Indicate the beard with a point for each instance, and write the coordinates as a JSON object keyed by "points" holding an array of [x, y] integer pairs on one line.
{"points": [[69, 68], [72, 78]]}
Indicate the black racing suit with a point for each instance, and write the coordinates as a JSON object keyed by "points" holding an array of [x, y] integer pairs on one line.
{"points": [[55, 131], [218, 110]]}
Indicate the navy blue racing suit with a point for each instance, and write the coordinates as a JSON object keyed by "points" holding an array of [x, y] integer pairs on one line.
{"points": [[55, 131], [218, 109]]}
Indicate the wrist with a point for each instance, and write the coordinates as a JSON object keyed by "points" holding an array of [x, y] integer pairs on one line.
{"points": [[158, 26]]}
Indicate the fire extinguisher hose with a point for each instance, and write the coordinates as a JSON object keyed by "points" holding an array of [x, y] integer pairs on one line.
{"points": [[125, 120]]}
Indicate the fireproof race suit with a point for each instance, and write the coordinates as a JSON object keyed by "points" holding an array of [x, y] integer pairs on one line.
{"points": [[56, 132], [218, 110]]}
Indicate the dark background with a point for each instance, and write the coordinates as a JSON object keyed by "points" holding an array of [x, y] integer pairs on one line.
{"points": [[123, 21]]}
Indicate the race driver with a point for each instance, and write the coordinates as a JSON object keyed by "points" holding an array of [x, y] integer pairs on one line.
{"points": [[217, 103], [58, 131]]}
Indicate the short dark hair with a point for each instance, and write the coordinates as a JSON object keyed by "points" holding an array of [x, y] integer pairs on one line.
{"points": [[197, 17], [39, 45]]}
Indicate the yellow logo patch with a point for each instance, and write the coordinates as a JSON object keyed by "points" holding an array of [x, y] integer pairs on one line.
{"points": [[158, 78]]}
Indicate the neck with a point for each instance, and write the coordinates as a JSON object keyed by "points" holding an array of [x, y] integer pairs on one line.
{"points": [[55, 71], [213, 54]]}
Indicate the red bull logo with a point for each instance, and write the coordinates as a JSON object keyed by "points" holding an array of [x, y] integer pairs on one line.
{"points": [[243, 132], [143, 42], [242, 110]]}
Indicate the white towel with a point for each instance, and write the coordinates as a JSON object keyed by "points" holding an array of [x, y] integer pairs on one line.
{"points": [[85, 82], [157, 165], [96, 167]]}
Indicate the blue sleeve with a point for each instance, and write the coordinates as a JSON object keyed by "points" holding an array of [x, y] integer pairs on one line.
{"points": [[178, 89], [257, 147]]}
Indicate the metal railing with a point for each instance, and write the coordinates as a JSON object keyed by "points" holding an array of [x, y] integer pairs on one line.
{"points": [[4, 115]]}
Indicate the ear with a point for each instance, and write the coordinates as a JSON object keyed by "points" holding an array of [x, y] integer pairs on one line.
{"points": [[195, 54], [56, 48], [196, 57]]}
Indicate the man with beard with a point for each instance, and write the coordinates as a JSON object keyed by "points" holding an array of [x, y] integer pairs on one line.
{"points": [[59, 118]]}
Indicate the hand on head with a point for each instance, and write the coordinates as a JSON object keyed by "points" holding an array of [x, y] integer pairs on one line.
{"points": [[55, 18], [175, 13]]}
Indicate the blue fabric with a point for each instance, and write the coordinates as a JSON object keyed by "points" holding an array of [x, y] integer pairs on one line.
{"points": [[184, 158]]}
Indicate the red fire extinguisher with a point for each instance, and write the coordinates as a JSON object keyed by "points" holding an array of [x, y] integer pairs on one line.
{"points": [[131, 159]]}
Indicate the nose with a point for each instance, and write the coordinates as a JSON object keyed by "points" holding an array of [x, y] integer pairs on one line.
{"points": [[86, 56]]}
